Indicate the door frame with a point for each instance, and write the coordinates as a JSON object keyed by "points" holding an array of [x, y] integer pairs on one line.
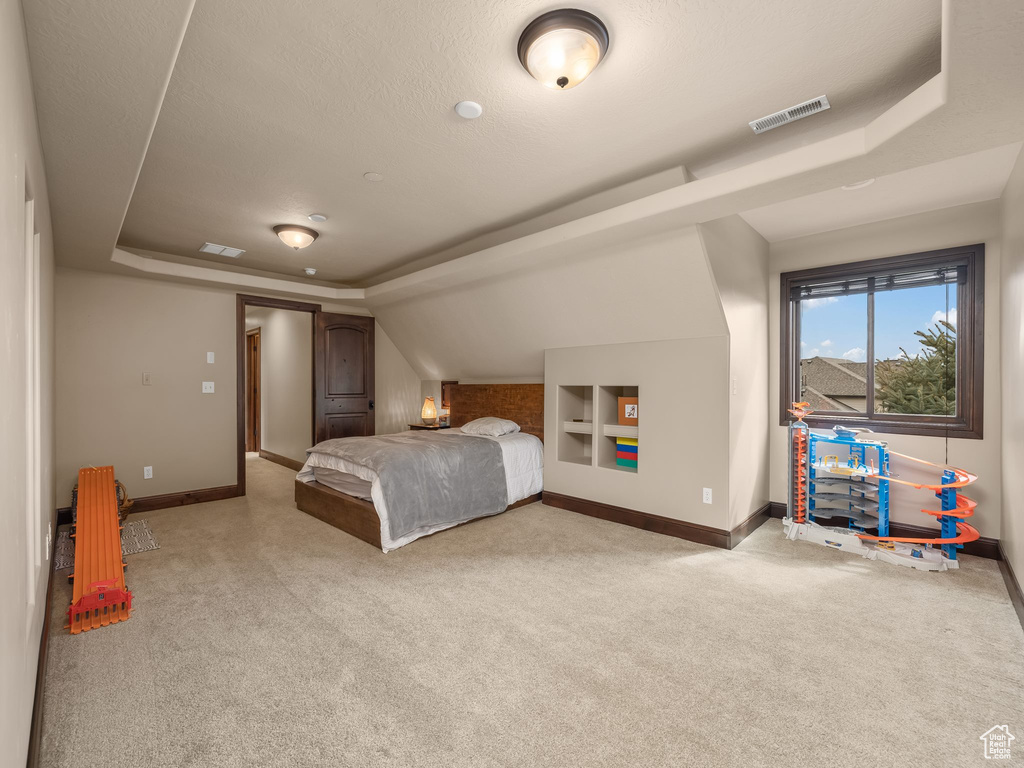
{"points": [[242, 301]]}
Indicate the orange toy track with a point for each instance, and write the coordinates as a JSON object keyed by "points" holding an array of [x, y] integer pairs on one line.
{"points": [[800, 480], [964, 506], [99, 596]]}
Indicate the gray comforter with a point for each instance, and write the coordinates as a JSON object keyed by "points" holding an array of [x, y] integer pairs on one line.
{"points": [[428, 478]]}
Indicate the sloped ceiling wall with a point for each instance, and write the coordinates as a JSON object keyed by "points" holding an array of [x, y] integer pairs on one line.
{"points": [[650, 289]]}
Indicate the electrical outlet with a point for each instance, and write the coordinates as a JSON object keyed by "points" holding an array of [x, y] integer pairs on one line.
{"points": [[147, 473], [707, 495], [49, 540], [147, 379], [735, 390], [207, 387], [209, 357]]}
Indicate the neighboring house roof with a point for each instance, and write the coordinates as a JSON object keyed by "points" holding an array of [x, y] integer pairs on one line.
{"points": [[819, 402], [824, 379]]}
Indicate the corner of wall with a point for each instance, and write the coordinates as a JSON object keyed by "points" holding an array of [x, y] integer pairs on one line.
{"points": [[1012, 367], [737, 258]]}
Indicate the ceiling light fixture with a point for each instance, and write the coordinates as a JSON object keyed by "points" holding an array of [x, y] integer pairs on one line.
{"points": [[295, 236], [319, 218], [858, 185], [561, 48], [373, 176], [310, 271]]}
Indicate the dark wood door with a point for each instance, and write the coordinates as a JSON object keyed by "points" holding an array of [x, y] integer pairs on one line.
{"points": [[252, 390], [343, 385]]}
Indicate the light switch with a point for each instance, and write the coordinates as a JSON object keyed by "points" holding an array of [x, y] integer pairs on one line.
{"points": [[207, 387], [209, 357], [147, 379]]}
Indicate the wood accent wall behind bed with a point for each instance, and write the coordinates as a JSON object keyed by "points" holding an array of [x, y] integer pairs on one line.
{"points": [[521, 403]]}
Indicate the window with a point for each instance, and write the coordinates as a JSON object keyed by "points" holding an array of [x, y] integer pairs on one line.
{"points": [[894, 345]]}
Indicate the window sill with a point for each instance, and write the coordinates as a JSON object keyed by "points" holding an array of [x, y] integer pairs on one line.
{"points": [[958, 430]]}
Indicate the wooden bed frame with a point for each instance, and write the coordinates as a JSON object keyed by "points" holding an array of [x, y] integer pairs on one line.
{"points": [[521, 403]]}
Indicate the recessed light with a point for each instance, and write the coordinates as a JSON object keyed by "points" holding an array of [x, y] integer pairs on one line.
{"points": [[858, 185], [295, 236], [373, 176], [221, 250], [309, 271], [561, 48], [319, 218], [469, 110]]}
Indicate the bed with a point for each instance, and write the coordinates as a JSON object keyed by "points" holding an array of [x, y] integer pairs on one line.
{"points": [[393, 489]]}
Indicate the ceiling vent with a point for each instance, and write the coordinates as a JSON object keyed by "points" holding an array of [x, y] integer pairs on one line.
{"points": [[221, 250], [806, 109]]}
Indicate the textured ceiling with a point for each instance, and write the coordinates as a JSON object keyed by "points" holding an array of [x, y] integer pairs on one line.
{"points": [[958, 181], [275, 110]]}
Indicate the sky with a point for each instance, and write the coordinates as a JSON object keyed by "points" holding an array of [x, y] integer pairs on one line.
{"points": [[837, 326]]}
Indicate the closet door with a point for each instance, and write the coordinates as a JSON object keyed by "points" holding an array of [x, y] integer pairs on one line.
{"points": [[343, 382]]}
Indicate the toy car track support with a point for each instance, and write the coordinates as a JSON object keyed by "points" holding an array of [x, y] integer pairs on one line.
{"points": [[100, 596], [798, 433]]}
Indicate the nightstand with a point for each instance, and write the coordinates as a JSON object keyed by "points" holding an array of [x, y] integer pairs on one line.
{"points": [[430, 426]]}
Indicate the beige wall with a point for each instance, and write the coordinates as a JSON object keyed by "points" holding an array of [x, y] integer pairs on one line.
{"points": [[397, 385], [111, 329], [1012, 305], [26, 444], [963, 225], [684, 445], [497, 329], [286, 372], [738, 257]]}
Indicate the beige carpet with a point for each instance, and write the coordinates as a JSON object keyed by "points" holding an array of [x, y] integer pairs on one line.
{"points": [[263, 637]]}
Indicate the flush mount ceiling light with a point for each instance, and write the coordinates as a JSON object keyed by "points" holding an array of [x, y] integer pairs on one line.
{"points": [[319, 218], [561, 48], [295, 236], [310, 271], [858, 185], [373, 176]]}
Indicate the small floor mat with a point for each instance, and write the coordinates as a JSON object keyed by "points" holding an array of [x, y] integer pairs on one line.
{"points": [[136, 536]]}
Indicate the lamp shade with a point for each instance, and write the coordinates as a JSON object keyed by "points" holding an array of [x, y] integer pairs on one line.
{"points": [[561, 48], [429, 412], [295, 236]]}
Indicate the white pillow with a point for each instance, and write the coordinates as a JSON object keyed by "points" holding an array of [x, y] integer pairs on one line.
{"points": [[490, 426]]}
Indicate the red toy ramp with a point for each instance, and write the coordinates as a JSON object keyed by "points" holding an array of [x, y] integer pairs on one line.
{"points": [[100, 596]]}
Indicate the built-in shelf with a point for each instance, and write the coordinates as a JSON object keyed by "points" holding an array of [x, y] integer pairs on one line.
{"points": [[608, 417], [579, 427], [589, 419], [576, 439]]}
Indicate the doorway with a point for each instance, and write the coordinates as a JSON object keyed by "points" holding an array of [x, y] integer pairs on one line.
{"points": [[302, 376]]}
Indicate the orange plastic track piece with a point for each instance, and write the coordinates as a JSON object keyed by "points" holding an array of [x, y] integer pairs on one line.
{"points": [[964, 508], [967, 533], [963, 477], [800, 475], [100, 596]]}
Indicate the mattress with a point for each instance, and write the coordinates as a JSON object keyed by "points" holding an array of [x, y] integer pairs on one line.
{"points": [[522, 456], [344, 482]]}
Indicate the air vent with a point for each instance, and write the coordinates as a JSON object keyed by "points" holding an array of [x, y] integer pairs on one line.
{"points": [[221, 250], [806, 109]]}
